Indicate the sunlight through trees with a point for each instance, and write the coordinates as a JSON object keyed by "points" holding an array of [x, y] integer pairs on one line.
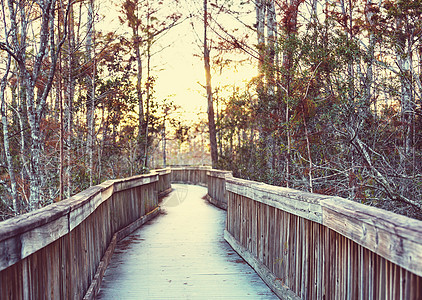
{"points": [[331, 101]]}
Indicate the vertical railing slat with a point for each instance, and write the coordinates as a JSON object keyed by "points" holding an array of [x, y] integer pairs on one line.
{"points": [[336, 249]]}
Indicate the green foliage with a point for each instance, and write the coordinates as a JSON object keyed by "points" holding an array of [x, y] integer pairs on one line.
{"points": [[328, 114]]}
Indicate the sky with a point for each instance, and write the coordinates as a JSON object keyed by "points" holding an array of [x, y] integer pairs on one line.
{"points": [[183, 73], [179, 67]]}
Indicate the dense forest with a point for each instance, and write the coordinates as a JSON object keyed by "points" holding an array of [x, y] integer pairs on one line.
{"points": [[334, 106]]}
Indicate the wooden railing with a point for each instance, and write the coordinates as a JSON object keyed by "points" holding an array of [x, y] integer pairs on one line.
{"points": [[217, 187], [190, 175], [303, 245], [309, 246], [164, 182], [61, 251]]}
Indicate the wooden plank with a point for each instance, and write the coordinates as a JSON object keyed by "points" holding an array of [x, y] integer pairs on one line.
{"points": [[108, 190], [171, 259], [190, 175], [261, 232], [135, 181], [161, 172], [405, 227], [304, 283], [302, 204], [376, 234], [80, 210], [38, 238], [319, 276], [249, 229], [216, 202], [267, 240], [10, 252], [270, 279], [289, 248], [27, 238], [219, 173], [81, 198], [95, 284], [20, 224]]}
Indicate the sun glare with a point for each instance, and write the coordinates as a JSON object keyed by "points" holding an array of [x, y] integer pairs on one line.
{"points": [[178, 66]]}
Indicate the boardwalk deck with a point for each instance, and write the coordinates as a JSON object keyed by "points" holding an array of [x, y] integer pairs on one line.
{"points": [[181, 255]]}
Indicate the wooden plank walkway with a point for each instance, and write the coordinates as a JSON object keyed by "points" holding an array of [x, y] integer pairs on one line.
{"points": [[181, 254]]}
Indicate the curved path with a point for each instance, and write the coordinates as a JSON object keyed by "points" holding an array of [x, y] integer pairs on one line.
{"points": [[181, 254]]}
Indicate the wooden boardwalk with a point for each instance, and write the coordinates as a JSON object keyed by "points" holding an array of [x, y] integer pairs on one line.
{"points": [[181, 254]]}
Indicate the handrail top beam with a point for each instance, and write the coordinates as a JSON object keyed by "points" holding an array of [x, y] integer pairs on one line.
{"points": [[26, 222]]}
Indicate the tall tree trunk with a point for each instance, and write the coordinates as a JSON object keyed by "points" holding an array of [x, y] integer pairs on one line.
{"points": [[6, 141], [260, 9], [260, 29], [265, 18], [70, 94], [404, 61], [142, 124], [36, 150], [369, 79], [35, 106], [59, 99], [270, 48], [210, 110], [347, 12], [148, 99], [104, 123], [62, 138], [290, 27], [308, 148], [270, 143], [90, 104], [348, 15]]}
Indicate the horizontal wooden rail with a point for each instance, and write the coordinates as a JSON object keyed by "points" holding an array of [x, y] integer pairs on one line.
{"points": [[309, 246], [190, 175], [303, 245], [57, 252]]}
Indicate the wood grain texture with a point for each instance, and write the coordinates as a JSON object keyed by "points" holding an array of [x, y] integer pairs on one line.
{"points": [[329, 247], [190, 175], [33, 240], [181, 254], [217, 187], [391, 236], [270, 279], [22, 223], [302, 204], [118, 236], [314, 246], [135, 181], [215, 202], [164, 182], [54, 253]]}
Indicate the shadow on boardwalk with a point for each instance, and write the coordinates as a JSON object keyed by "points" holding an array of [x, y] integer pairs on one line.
{"points": [[181, 254]]}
